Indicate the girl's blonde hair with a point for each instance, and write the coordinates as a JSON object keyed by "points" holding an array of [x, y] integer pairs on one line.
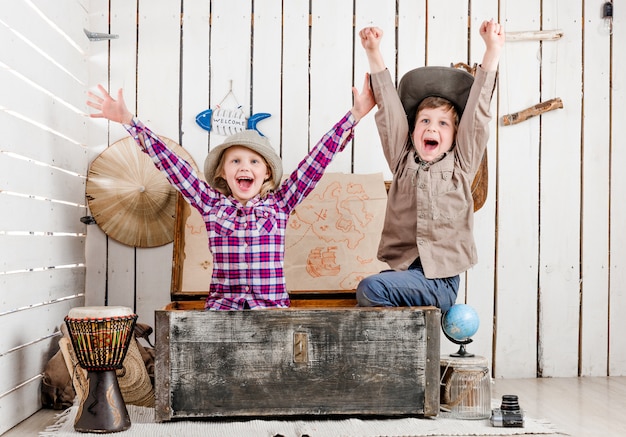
{"points": [[220, 184]]}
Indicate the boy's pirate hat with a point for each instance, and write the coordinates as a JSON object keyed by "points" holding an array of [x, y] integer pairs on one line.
{"points": [[450, 83]]}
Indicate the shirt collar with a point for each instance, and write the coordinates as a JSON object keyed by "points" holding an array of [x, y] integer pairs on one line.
{"points": [[425, 165]]}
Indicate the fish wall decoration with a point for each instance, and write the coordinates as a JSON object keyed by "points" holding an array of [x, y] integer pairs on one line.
{"points": [[229, 121]]}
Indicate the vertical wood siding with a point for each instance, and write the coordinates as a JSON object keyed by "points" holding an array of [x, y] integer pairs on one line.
{"points": [[549, 286], [616, 323]]}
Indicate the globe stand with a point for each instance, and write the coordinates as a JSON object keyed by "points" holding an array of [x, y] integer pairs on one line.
{"points": [[462, 352]]}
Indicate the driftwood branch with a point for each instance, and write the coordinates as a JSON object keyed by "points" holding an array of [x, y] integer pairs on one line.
{"points": [[527, 113], [536, 35]]}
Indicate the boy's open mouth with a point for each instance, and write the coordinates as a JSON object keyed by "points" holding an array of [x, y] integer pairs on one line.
{"points": [[431, 144]]}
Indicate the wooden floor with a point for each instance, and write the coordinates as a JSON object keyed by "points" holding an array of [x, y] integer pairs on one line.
{"points": [[580, 407]]}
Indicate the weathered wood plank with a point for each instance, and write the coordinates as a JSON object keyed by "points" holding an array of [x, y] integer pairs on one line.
{"points": [[295, 82], [480, 280], [595, 207], [330, 88], [368, 156], [194, 85], [617, 302], [559, 273], [516, 255], [158, 81]]}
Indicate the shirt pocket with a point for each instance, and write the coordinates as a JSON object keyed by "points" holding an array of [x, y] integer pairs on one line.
{"points": [[266, 222], [223, 223], [449, 199]]}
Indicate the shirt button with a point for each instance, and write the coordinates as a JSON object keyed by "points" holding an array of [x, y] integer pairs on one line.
{"points": [[421, 215], [422, 186], [421, 242]]}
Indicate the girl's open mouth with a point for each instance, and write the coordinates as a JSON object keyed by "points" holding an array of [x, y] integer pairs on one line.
{"points": [[244, 183]]}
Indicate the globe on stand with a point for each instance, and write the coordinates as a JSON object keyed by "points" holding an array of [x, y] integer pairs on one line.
{"points": [[459, 324]]}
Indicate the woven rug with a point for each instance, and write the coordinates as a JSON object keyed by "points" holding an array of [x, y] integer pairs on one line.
{"points": [[142, 425]]}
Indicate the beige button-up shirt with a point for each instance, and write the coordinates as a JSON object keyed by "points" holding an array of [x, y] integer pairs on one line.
{"points": [[430, 210]]}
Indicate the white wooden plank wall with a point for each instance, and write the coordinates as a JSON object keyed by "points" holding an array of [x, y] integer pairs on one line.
{"points": [[549, 286], [43, 163]]}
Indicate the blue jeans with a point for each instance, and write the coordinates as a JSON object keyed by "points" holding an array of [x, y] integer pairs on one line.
{"points": [[407, 288]]}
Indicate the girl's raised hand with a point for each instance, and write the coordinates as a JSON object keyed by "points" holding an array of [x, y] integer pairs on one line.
{"points": [[363, 101], [114, 110]]}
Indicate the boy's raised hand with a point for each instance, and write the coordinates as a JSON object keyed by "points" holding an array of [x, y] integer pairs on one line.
{"points": [[370, 40], [370, 37], [114, 110], [493, 34]]}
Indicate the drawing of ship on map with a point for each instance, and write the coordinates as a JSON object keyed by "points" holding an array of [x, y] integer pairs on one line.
{"points": [[322, 262]]}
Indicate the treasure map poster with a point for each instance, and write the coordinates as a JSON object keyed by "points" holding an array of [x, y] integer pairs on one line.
{"points": [[331, 238]]}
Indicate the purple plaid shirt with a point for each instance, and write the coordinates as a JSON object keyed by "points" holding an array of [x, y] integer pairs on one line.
{"points": [[247, 242]]}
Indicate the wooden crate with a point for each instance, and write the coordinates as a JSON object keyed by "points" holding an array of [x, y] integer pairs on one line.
{"points": [[296, 362]]}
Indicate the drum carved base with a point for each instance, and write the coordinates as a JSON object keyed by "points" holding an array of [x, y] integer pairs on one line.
{"points": [[103, 409]]}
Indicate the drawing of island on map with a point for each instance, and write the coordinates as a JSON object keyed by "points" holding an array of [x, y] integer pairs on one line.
{"points": [[332, 237]]}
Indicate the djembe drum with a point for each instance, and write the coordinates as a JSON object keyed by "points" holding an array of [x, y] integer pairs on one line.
{"points": [[100, 337]]}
